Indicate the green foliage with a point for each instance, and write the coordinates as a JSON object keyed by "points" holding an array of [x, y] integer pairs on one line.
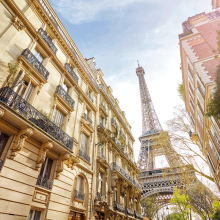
{"points": [[182, 206], [173, 216], [180, 90], [116, 132], [213, 107], [216, 211]]}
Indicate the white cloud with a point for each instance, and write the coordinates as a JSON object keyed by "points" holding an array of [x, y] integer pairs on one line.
{"points": [[80, 11]]}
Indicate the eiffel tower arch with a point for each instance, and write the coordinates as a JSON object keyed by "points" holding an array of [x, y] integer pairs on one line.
{"points": [[163, 180]]}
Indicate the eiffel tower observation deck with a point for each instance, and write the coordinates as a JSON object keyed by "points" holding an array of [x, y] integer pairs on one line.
{"points": [[156, 142]]}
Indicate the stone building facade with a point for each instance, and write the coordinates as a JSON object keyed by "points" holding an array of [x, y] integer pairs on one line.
{"points": [[199, 65], [66, 148]]}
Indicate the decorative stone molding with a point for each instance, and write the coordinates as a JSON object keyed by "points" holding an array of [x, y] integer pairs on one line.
{"points": [[81, 99], [2, 111], [71, 162], [114, 180], [42, 153], [18, 24], [20, 139], [60, 164]]}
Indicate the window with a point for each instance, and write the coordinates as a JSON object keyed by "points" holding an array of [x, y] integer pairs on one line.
{"points": [[38, 55], [84, 143], [34, 215], [102, 121], [45, 174], [58, 118], [116, 195], [100, 188], [48, 35], [3, 141], [87, 112], [25, 89], [115, 158], [65, 87], [102, 149], [79, 186]]}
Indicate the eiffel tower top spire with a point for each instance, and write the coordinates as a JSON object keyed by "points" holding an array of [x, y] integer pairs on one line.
{"points": [[150, 122]]}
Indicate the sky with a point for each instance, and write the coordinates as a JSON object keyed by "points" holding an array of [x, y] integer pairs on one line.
{"points": [[120, 32]]}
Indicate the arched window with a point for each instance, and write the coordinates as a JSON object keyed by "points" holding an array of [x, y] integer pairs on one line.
{"points": [[80, 188]]}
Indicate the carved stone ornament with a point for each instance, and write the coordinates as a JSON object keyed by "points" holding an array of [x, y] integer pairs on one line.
{"points": [[81, 99], [42, 153], [19, 141], [114, 180], [18, 24], [60, 165], [2, 111]]}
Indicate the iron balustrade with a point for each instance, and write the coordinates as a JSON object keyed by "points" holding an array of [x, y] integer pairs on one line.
{"points": [[138, 215], [100, 195], [1, 163], [44, 182], [84, 155], [65, 38], [122, 134], [87, 117], [89, 97], [35, 63], [117, 142], [71, 71], [128, 211], [22, 107], [102, 155], [115, 123], [79, 195], [116, 167], [47, 40], [119, 207], [65, 96]]}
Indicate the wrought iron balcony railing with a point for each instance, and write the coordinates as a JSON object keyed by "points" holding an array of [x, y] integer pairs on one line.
{"points": [[116, 167], [87, 117], [65, 96], [89, 97], [119, 207], [47, 40], [100, 195], [138, 215], [114, 123], [117, 142], [15, 102], [84, 155], [71, 71], [44, 182], [102, 156], [122, 134], [1, 163], [35, 63], [79, 195], [128, 211]]}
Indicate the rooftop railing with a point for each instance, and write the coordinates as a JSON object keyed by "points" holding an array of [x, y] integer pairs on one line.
{"points": [[35, 63], [47, 40], [22, 107], [65, 96]]}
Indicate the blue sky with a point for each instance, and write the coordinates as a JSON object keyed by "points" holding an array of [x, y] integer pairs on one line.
{"points": [[118, 33]]}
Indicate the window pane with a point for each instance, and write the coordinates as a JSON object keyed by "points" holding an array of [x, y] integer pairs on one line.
{"points": [[79, 184], [43, 167], [48, 169], [40, 58], [37, 215], [65, 87], [84, 143], [3, 142], [30, 215], [35, 53]]}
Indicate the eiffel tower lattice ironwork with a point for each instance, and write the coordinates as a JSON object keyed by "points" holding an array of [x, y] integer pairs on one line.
{"points": [[153, 180]]}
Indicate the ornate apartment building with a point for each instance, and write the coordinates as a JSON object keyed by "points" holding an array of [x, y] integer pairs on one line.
{"points": [[66, 148], [199, 65]]}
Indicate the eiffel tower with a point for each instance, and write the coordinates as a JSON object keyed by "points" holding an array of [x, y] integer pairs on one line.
{"points": [[161, 181]]}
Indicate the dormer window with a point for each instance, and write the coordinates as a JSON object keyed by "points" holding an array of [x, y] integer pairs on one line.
{"points": [[38, 55]]}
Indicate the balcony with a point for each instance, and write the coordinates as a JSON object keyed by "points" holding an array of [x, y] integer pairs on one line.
{"points": [[87, 117], [71, 71], [22, 107], [79, 195], [35, 63], [114, 123], [65, 96], [116, 167], [118, 207], [102, 156], [100, 195], [117, 142], [44, 182], [84, 156], [89, 95], [128, 211], [138, 215], [123, 135], [47, 40]]}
